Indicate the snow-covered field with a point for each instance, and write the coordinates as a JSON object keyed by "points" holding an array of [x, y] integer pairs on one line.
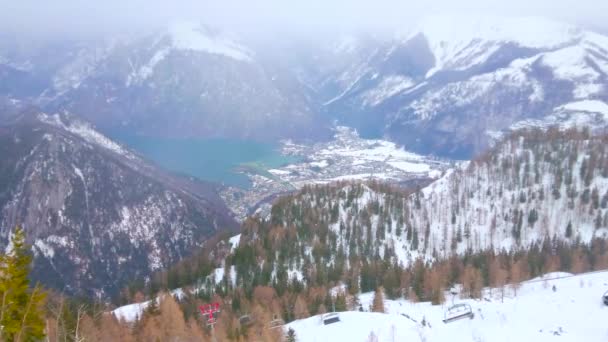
{"points": [[350, 157], [571, 312], [133, 312], [557, 307]]}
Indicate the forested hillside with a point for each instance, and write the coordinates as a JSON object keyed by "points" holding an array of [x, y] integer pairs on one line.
{"points": [[95, 214], [536, 203], [535, 186]]}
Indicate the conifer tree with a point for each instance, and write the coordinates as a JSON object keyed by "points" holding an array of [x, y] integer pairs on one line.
{"points": [[414, 245], [21, 308], [569, 230], [291, 335], [340, 303]]}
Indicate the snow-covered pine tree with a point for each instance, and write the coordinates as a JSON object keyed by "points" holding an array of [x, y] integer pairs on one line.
{"points": [[291, 335]]}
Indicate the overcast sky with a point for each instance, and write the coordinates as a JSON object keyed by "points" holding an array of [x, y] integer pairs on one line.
{"points": [[269, 16]]}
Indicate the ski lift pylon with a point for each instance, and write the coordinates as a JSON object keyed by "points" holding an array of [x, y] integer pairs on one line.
{"points": [[245, 320], [458, 311], [211, 321], [208, 310]]}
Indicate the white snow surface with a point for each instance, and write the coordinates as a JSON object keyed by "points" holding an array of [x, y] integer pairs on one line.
{"points": [[581, 59], [461, 41], [279, 172], [375, 150], [573, 312], [583, 113], [234, 242], [133, 312], [593, 106], [321, 164], [219, 274], [86, 132], [349, 157], [389, 86], [44, 248], [410, 167], [192, 36]]}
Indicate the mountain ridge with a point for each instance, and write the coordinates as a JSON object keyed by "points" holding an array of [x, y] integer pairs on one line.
{"points": [[96, 214], [470, 79]]}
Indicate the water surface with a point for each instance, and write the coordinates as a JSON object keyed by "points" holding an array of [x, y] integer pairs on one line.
{"points": [[215, 160]]}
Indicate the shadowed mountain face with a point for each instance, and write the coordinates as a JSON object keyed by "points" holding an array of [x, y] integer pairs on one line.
{"points": [[96, 214]]}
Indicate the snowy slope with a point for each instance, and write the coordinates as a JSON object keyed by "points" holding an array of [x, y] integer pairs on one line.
{"points": [[447, 86], [573, 312], [192, 36], [522, 176], [572, 56], [460, 42], [189, 36], [85, 131], [528, 189], [133, 312]]}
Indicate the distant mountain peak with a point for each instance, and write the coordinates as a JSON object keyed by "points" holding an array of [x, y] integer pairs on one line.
{"points": [[533, 32], [194, 36], [456, 41]]}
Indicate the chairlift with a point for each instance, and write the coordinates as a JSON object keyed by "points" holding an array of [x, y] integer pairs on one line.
{"points": [[605, 298], [246, 320], [330, 318], [458, 311]]}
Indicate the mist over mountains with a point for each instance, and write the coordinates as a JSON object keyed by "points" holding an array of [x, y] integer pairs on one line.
{"points": [[451, 86], [447, 87]]}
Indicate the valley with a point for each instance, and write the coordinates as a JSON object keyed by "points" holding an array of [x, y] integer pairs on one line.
{"points": [[152, 176], [347, 157], [251, 174]]}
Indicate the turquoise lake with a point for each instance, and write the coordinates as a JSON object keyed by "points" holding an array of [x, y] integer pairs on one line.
{"points": [[215, 160]]}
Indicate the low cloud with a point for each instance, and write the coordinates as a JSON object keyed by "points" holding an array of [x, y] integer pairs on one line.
{"points": [[267, 17]]}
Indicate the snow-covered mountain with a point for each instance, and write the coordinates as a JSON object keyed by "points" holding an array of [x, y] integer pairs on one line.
{"points": [[532, 188], [535, 203], [451, 84], [96, 214], [185, 80], [461, 42]]}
